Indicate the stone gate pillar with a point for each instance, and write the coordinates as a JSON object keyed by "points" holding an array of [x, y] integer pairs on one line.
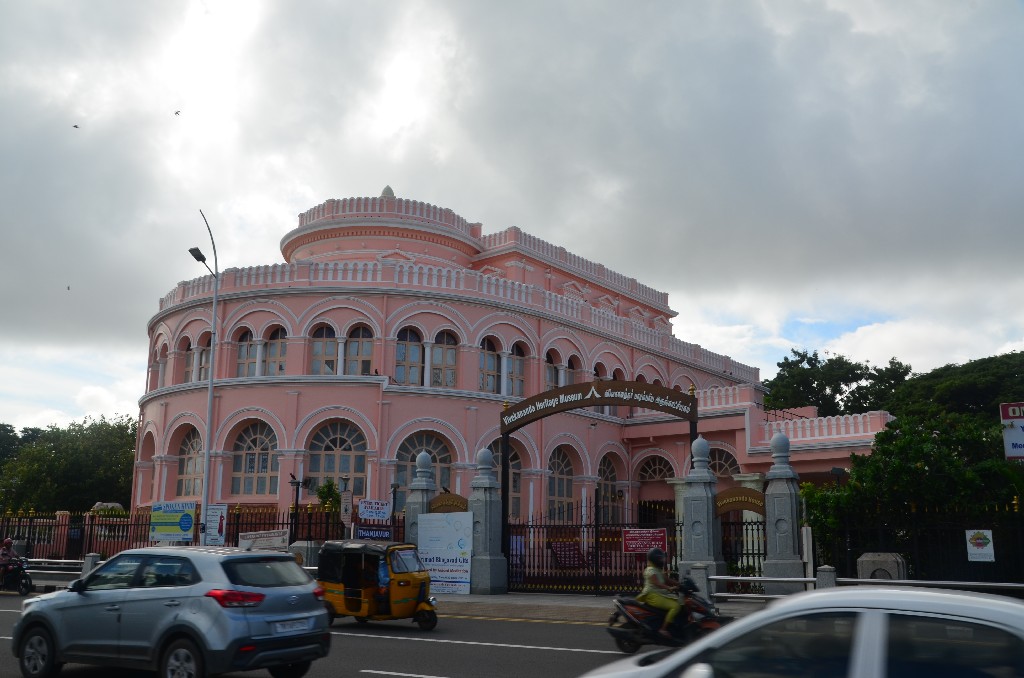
{"points": [[702, 533], [489, 573], [782, 505], [421, 490]]}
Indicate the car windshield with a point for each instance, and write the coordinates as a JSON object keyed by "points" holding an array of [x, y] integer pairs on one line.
{"points": [[406, 560], [265, 572]]}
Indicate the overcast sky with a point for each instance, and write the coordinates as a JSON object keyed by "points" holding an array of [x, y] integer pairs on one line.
{"points": [[832, 176]]}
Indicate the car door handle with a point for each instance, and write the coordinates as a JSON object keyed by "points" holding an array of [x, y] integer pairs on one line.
{"points": [[172, 603], [112, 608]]}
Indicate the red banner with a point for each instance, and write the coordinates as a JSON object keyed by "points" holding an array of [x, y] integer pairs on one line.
{"points": [[641, 541]]}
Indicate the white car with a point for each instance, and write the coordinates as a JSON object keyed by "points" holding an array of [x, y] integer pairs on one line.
{"points": [[853, 632]]}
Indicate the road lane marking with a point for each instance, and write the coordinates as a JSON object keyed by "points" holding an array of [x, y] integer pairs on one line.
{"points": [[474, 642], [405, 675], [520, 619]]}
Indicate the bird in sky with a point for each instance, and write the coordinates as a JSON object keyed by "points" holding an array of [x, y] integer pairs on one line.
{"points": [[75, 126], [69, 288], [177, 112]]}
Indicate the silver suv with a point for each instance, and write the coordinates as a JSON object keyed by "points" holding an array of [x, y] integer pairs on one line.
{"points": [[183, 611]]}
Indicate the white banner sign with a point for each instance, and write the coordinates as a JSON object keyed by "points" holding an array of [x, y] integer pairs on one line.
{"points": [[446, 548], [374, 509], [980, 546], [269, 539], [216, 524]]}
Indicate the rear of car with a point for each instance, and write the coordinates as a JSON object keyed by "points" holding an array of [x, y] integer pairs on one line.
{"points": [[280, 607]]}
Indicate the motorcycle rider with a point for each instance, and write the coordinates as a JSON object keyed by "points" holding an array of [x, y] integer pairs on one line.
{"points": [[7, 554], [659, 589]]}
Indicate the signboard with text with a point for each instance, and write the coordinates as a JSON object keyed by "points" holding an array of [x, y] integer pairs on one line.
{"points": [[374, 509], [643, 540], [445, 546], [980, 547], [216, 524], [172, 521], [1012, 417], [268, 539]]}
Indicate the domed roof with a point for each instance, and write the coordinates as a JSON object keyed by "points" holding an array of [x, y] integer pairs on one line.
{"points": [[387, 192]]}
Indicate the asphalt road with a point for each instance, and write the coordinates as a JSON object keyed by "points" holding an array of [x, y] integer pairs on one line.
{"points": [[460, 647]]}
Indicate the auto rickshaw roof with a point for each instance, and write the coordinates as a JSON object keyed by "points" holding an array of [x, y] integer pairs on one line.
{"points": [[377, 548]]}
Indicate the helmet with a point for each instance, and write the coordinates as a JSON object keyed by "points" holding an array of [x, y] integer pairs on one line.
{"points": [[657, 557], [8, 542]]}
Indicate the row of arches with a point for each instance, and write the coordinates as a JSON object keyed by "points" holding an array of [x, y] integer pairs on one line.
{"points": [[425, 351], [339, 450]]}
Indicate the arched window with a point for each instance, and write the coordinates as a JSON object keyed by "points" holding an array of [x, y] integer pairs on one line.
{"points": [[255, 459], [359, 352], [440, 456], [274, 355], [409, 358], [324, 350], [515, 473], [654, 468], [190, 465], [517, 371], [245, 360], [608, 491], [721, 463], [442, 365], [560, 491], [336, 451], [490, 367], [550, 372]]}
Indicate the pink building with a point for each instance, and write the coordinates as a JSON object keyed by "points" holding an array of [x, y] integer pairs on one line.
{"points": [[395, 326]]}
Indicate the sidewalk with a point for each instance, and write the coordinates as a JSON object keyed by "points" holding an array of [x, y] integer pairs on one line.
{"points": [[555, 607]]}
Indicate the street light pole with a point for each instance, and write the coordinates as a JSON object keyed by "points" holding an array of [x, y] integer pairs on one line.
{"points": [[198, 255]]}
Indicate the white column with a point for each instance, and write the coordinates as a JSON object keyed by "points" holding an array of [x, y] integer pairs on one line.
{"points": [[197, 368], [260, 356], [341, 356], [427, 357], [161, 366], [505, 377], [561, 374]]}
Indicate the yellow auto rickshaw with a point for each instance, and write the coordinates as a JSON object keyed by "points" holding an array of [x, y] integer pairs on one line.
{"points": [[375, 581]]}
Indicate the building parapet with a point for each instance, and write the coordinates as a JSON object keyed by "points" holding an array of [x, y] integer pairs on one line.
{"points": [[816, 428], [458, 281], [385, 207]]}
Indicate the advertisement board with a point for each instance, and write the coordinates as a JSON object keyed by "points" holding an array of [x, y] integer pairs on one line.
{"points": [[1012, 417], [172, 521], [268, 539], [980, 547], [374, 509], [635, 540], [446, 549], [216, 524]]}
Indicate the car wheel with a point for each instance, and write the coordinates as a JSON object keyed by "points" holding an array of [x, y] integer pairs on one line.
{"points": [[427, 620], [181, 659], [37, 652], [296, 670]]}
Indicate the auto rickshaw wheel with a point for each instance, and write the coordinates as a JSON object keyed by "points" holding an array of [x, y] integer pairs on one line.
{"points": [[362, 620], [427, 619]]}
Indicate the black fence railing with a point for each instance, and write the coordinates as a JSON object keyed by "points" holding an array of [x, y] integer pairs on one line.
{"points": [[933, 543], [69, 536], [584, 550]]}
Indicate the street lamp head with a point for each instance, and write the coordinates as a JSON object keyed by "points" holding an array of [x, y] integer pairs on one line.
{"points": [[197, 254]]}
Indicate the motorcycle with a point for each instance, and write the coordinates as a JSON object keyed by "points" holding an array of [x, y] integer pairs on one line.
{"points": [[16, 576], [633, 624]]}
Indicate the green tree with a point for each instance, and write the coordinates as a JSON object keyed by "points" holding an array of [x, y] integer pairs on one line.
{"points": [[9, 442], [328, 492], [806, 379], [72, 468]]}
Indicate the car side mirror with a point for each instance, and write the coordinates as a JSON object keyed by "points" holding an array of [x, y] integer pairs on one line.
{"points": [[699, 671], [77, 586]]}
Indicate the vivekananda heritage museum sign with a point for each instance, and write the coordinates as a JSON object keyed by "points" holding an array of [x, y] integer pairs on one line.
{"points": [[599, 393]]}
